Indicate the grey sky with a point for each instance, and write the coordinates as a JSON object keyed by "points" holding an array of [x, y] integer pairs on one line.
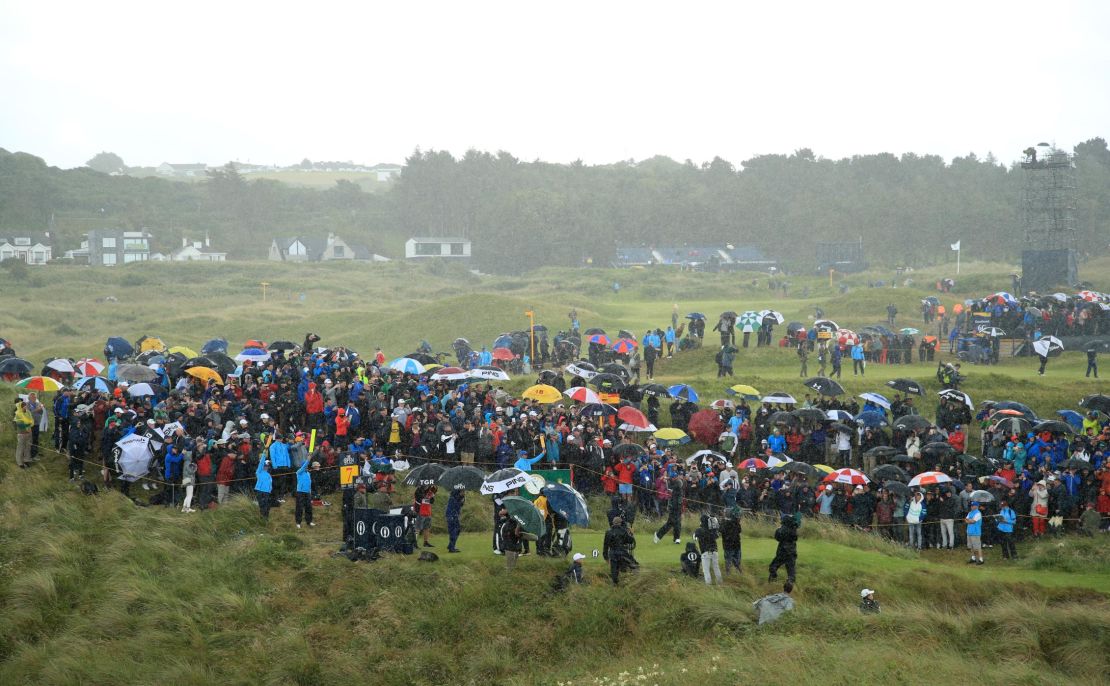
{"points": [[276, 82]]}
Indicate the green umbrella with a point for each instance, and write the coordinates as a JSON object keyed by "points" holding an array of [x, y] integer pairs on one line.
{"points": [[526, 514], [749, 321]]}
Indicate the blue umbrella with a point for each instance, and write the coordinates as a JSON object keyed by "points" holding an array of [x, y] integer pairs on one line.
{"points": [[683, 391], [118, 348], [871, 419], [839, 415], [563, 498], [597, 410], [216, 345], [97, 382], [503, 341], [253, 355], [695, 315], [1072, 417], [406, 365]]}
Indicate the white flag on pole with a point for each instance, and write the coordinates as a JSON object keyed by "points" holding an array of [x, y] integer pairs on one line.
{"points": [[956, 245]]}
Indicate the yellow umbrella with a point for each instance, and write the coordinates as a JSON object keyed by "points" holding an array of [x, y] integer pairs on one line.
{"points": [[430, 367], [187, 352], [824, 468], [671, 436], [543, 393], [204, 374], [152, 344], [745, 391]]}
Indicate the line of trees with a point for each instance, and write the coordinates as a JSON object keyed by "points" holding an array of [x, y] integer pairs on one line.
{"points": [[523, 214]]}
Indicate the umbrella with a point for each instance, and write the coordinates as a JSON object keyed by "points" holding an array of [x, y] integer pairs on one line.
{"points": [[777, 316], [1048, 344], [118, 348], [882, 452], [16, 366], [876, 399], [599, 339], [140, 390], [683, 391], [489, 374], [780, 398], [752, 463], [994, 331], [824, 385], [503, 354], [809, 414], [582, 394], [39, 383], [215, 345], [671, 436], [969, 459], [1012, 425], [871, 419], [840, 416], [98, 383], [1072, 417], [624, 346], [61, 365], [616, 368], [133, 460], [798, 468], [826, 325], [135, 373], [1096, 346], [204, 374], [450, 374], [421, 357], [1091, 402], [464, 477], [594, 332], [749, 321], [583, 369], [906, 386], [896, 487], [847, 476], [957, 396], [1053, 426], [889, 471], [255, 343], [1001, 480], [425, 475], [794, 327], [722, 405], [706, 457], [150, 357], [655, 390], [503, 480], [1021, 408], [282, 345], [706, 426], [187, 352], [631, 450], [597, 410], [564, 499], [824, 468], [904, 459], [150, 343], [937, 449], [631, 416], [982, 496], [696, 315], [525, 513], [255, 355], [837, 426], [847, 337], [930, 479], [782, 418], [542, 393], [908, 331], [406, 365], [629, 428], [1076, 463], [88, 366], [911, 422], [744, 391], [608, 382]]}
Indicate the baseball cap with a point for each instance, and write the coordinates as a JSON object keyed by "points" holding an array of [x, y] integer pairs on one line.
{"points": [[578, 556], [264, 416], [865, 592]]}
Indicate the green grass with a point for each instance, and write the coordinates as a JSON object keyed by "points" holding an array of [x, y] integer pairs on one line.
{"points": [[97, 590]]}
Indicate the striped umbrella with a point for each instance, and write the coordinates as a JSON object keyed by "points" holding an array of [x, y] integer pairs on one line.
{"points": [[847, 476], [749, 321], [599, 339], [930, 479], [624, 346], [256, 355], [39, 383], [450, 374], [847, 337], [582, 394], [97, 383], [89, 366], [406, 365]]}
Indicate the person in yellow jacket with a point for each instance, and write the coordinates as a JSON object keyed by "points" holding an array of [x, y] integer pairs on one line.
{"points": [[543, 546], [23, 423]]}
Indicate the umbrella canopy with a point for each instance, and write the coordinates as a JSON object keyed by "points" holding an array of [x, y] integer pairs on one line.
{"points": [[542, 393], [1012, 425], [840, 416], [826, 325], [282, 345], [809, 414], [187, 352], [706, 457], [896, 487], [599, 339], [930, 479], [215, 345], [594, 331], [582, 394], [876, 398], [609, 383], [908, 331], [632, 450], [683, 391], [204, 374], [406, 365], [503, 354], [749, 321], [61, 365], [824, 386], [39, 383], [16, 366], [425, 475], [752, 463], [118, 348], [1076, 463], [957, 396], [255, 355], [88, 366], [624, 346], [1071, 417], [696, 315], [982, 496], [994, 331], [794, 327], [889, 472], [97, 383], [744, 391], [1097, 346], [596, 410], [706, 427], [903, 459], [572, 504], [882, 452], [135, 373], [772, 315], [617, 369], [671, 436], [1000, 480], [140, 390], [503, 480], [1047, 345], [583, 369], [1053, 426], [722, 405], [464, 477], [780, 398], [937, 449], [150, 357], [489, 374], [655, 390], [1023, 409], [796, 467], [525, 513], [1091, 402], [847, 476], [906, 386], [450, 374], [871, 419], [782, 419], [134, 457], [633, 417], [150, 343]]}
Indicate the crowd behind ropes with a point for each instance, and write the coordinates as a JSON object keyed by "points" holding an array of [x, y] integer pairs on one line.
{"points": [[281, 424]]}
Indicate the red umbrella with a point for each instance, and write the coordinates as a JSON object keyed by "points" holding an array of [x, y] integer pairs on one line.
{"points": [[752, 463], [847, 476], [706, 427], [630, 415], [582, 394], [254, 343], [503, 354]]}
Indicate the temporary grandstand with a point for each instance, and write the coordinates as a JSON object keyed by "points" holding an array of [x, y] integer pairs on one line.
{"points": [[694, 257]]}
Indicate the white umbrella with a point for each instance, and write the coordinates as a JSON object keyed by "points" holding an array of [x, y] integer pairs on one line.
{"points": [[1047, 344], [780, 398], [929, 479], [763, 314], [701, 454], [577, 370], [503, 480], [876, 398], [629, 427], [960, 396], [722, 404], [489, 374], [140, 389], [582, 394], [133, 458], [61, 365]]}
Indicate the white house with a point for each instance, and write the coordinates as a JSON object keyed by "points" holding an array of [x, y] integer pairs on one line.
{"points": [[29, 248], [310, 249], [192, 169], [456, 248], [385, 172], [197, 251]]}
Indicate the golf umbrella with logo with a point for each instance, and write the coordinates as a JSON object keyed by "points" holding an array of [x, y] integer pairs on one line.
{"points": [[425, 475], [89, 367], [656, 390], [958, 396], [562, 498], [525, 513], [749, 321], [876, 399], [503, 480], [906, 386], [824, 385], [489, 374], [133, 457], [930, 479], [542, 393], [847, 476], [463, 476], [583, 369], [1048, 345], [581, 394], [683, 391], [912, 422], [609, 383], [670, 437]]}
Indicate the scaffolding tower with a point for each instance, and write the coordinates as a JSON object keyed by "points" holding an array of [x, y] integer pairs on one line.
{"points": [[1049, 199]]}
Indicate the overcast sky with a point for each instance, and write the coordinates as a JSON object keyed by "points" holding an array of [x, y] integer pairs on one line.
{"points": [[274, 82]]}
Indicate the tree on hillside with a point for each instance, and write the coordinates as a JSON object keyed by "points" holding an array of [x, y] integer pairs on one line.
{"points": [[107, 162]]}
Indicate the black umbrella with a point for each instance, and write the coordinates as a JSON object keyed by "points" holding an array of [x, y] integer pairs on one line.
{"points": [[896, 487], [1054, 426], [624, 333], [969, 459], [811, 414], [135, 373], [1012, 425], [982, 496], [906, 386], [1076, 463], [904, 459], [794, 327], [425, 474], [797, 467], [784, 418], [729, 314], [594, 332], [881, 452], [1096, 402], [283, 345], [655, 390], [889, 471], [1098, 346], [610, 382], [465, 477], [937, 449], [422, 358], [460, 342], [16, 365], [824, 385], [838, 426], [1024, 409], [596, 410], [912, 422], [549, 374], [632, 450], [617, 369]]}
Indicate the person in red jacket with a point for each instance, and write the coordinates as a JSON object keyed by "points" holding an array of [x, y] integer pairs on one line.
{"points": [[313, 407], [625, 471], [957, 439], [204, 480], [342, 425], [224, 475]]}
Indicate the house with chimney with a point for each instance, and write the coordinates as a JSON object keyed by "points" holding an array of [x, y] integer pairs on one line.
{"points": [[197, 251], [30, 247]]}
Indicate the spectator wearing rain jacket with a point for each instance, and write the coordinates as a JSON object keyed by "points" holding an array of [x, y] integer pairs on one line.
{"points": [[524, 463], [304, 494], [263, 485]]}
